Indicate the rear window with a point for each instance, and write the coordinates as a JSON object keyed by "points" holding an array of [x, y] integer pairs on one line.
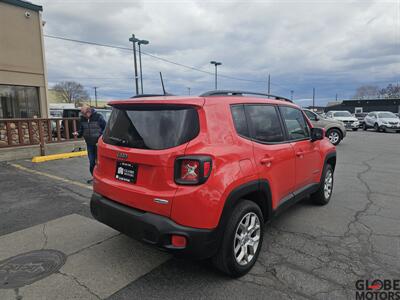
{"points": [[152, 127]]}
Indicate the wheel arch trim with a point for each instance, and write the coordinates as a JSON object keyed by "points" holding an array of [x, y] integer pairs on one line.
{"points": [[256, 188]]}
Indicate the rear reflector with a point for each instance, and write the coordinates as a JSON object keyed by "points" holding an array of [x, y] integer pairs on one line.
{"points": [[207, 168], [178, 241]]}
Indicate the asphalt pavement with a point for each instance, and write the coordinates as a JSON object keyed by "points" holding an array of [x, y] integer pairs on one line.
{"points": [[309, 252]]}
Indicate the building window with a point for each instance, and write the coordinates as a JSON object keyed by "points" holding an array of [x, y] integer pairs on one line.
{"points": [[19, 102], [358, 110]]}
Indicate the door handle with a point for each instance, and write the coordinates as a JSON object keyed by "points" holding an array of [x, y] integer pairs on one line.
{"points": [[300, 153], [266, 160]]}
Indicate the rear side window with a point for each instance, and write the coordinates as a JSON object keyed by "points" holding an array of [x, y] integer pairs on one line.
{"points": [[239, 119], [295, 123], [264, 123], [152, 127], [309, 114]]}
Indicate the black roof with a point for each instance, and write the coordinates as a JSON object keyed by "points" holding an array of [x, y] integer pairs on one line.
{"points": [[24, 4], [366, 102]]}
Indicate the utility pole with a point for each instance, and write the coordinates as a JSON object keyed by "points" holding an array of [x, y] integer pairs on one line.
{"points": [[188, 90], [95, 95], [269, 84], [336, 96], [134, 40], [313, 98], [291, 95], [141, 42], [216, 64]]}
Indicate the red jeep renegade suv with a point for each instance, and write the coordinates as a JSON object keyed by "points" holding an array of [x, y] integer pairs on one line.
{"points": [[202, 175]]}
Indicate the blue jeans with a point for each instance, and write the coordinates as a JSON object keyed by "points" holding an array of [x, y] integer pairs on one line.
{"points": [[92, 155]]}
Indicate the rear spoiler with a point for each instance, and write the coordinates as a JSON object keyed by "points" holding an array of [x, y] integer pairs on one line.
{"points": [[160, 100]]}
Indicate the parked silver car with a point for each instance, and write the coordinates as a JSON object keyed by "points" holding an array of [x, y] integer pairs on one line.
{"points": [[350, 121], [382, 121], [335, 130]]}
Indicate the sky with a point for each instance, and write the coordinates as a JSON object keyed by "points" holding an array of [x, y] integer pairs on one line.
{"points": [[332, 46]]}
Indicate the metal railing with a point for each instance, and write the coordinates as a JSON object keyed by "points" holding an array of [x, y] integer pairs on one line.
{"points": [[39, 131]]}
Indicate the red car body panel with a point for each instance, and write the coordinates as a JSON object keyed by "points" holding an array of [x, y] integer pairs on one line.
{"points": [[235, 161]]}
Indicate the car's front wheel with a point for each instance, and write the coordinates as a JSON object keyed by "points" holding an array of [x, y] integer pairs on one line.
{"points": [[376, 127], [365, 127], [242, 240], [334, 136]]}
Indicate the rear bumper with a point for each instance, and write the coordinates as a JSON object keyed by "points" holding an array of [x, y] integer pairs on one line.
{"points": [[154, 229]]}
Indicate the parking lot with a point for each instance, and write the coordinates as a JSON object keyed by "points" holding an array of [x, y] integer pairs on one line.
{"points": [[309, 252]]}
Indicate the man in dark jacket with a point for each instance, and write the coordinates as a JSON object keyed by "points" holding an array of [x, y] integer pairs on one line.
{"points": [[92, 125]]}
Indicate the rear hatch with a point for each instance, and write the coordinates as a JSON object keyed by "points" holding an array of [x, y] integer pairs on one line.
{"points": [[137, 153]]}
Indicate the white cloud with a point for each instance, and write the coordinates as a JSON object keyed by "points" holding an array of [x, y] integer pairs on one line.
{"points": [[332, 45]]}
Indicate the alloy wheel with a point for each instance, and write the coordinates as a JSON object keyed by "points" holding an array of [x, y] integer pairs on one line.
{"points": [[328, 183], [334, 137], [247, 237]]}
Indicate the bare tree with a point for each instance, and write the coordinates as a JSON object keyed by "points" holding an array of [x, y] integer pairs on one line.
{"points": [[391, 91], [71, 92], [366, 91]]}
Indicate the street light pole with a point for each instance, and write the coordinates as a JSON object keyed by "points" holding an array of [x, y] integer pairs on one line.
{"points": [[134, 40], [269, 84], [216, 64], [188, 90], [141, 42], [313, 98], [95, 95], [291, 95]]}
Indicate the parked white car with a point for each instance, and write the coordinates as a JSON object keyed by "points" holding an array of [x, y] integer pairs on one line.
{"points": [[349, 121], [382, 121]]}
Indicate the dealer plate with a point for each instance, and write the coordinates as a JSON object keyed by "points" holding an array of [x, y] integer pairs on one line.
{"points": [[126, 171]]}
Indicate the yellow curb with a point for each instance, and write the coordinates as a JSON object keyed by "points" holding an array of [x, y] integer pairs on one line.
{"points": [[38, 159]]}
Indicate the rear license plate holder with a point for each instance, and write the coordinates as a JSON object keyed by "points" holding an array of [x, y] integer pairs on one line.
{"points": [[126, 171]]}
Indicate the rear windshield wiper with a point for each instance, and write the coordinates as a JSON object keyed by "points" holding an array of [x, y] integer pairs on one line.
{"points": [[118, 140]]}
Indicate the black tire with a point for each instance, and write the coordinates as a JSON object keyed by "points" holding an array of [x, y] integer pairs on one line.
{"points": [[355, 129], [365, 127], [383, 129], [334, 131], [376, 127], [225, 259], [320, 197]]}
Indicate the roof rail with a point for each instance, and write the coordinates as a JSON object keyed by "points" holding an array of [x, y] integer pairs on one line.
{"points": [[241, 93], [150, 95]]}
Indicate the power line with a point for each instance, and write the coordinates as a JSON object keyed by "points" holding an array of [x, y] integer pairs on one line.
{"points": [[151, 55]]}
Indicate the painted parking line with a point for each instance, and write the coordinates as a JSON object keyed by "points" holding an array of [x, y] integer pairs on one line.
{"points": [[51, 176], [100, 261]]}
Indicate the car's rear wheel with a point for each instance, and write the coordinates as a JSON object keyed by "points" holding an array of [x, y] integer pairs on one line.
{"points": [[242, 240], [334, 136], [324, 192]]}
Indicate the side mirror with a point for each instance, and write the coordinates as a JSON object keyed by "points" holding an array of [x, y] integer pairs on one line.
{"points": [[317, 134]]}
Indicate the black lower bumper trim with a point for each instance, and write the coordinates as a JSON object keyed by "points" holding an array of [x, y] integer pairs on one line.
{"points": [[154, 229]]}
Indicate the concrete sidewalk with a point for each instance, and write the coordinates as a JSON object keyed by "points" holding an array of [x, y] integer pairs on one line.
{"points": [[100, 261]]}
